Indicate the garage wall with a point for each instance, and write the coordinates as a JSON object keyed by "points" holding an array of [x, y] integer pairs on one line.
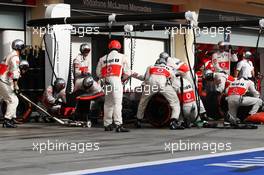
{"points": [[146, 53], [11, 18], [236, 38], [6, 38]]}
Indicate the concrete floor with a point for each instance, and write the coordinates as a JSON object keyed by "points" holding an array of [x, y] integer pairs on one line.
{"points": [[140, 145]]}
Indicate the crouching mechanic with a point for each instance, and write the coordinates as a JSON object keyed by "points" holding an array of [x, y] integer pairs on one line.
{"points": [[158, 78], [9, 75], [221, 81], [188, 104], [181, 68], [55, 96], [87, 85], [110, 68], [237, 95]]}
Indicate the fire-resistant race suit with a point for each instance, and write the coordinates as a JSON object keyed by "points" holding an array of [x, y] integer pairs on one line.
{"points": [[187, 98], [110, 68], [236, 96], [221, 61], [81, 65], [222, 81], [158, 79], [184, 71], [9, 74], [53, 99]]}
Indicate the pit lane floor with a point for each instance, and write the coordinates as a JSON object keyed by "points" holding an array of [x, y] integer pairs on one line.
{"points": [[20, 147]]}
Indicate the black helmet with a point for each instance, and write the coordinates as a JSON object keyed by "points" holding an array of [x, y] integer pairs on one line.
{"points": [[84, 47], [23, 65], [59, 84], [18, 44], [88, 82], [209, 75], [164, 55]]}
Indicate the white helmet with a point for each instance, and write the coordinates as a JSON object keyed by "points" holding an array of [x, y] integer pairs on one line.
{"points": [[222, 43], [248, 54]]}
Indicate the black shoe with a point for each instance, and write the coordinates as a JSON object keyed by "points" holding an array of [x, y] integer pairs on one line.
{"points": [[231, 120], [186, 124], [204, 117], [9, 124], [227, 124], [241, 126], [174, 125], [109, 128], [121, 129], [245, 126]]}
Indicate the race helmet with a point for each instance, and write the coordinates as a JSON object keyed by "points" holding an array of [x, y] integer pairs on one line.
{"points": [[221, 43], [164, 55], [23, 65], [208, 75], [84, 47], [59, 84], [114, 44], [88, 82], [248, 55], [18, 44]]}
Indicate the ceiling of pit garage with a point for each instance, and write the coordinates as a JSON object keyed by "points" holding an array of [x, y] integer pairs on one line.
{"points": [[249, 7]]}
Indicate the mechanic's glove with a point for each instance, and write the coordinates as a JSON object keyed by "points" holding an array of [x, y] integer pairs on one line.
{"points": [[125, 78], [134, 75], [137, 76]]}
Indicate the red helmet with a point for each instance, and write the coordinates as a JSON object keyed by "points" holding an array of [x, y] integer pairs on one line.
{"points": [[114, 44]]}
